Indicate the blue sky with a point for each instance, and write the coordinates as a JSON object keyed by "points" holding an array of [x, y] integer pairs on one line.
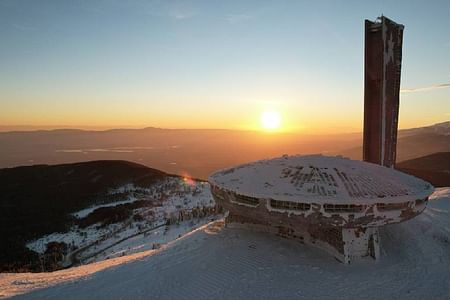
{"points": [[211, 64]]}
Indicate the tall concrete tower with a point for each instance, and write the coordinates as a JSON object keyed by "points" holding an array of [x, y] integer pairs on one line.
{"points": [[382, 66]]}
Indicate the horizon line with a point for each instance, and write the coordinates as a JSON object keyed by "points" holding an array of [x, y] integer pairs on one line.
{"points": [[49, 128]]}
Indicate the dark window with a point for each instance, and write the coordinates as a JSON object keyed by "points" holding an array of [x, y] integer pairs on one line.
{"points": [[289, 205], [421, 201], [347, 208], [219, 196], [392, 206], [246, 200]]}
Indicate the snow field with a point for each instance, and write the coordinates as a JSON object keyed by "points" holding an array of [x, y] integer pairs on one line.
{"points": [[215, 262]]}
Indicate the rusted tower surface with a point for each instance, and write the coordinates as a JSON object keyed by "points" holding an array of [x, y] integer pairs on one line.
{"points": [[382, 67]]}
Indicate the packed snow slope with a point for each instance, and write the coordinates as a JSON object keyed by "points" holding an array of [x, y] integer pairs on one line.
{"points": [[214, 262]]}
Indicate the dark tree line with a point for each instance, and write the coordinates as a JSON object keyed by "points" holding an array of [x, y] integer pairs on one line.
{"points": [[38, 200]]}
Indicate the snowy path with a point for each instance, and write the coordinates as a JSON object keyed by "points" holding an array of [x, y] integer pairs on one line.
{"points": [[226, 263]]}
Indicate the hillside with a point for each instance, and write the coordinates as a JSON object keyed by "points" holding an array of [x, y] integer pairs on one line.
{"points": [[414, 143], [439, 128], [37, 200], [434, 168], [410, 147], [216, 262]]}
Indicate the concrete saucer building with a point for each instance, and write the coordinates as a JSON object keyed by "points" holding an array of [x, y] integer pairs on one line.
{"points": [[334, 203]]}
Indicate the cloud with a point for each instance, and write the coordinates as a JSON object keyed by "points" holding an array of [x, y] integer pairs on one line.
{"points": [[180, 11], [177, 15], [427, 88], [237, 18]]}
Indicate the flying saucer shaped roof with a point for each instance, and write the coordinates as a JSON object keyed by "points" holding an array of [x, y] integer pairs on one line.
{"points": [[321, 179]]}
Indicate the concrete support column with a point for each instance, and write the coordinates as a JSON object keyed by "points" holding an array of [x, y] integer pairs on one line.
{"points": [[360, 242]]}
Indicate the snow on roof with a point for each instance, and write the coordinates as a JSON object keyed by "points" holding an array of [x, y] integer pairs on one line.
{"points": [[321, 179]]}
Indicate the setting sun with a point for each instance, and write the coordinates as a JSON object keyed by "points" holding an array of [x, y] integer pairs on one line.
{"points": [[270, 120]]}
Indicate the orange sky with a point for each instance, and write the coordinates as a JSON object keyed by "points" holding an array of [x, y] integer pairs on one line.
{"points": [[214, 67]]}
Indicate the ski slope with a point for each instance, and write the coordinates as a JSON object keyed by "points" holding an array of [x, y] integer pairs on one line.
{"points": [[214, 262]]}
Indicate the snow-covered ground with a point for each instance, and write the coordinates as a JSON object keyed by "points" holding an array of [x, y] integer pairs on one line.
{"points": [[143, 242], [441, 193], [214, 262], [85, 212], [173, 195]]}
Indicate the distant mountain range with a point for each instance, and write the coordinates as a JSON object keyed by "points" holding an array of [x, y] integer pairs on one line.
{"points": [[416, 142], [197, 152]]}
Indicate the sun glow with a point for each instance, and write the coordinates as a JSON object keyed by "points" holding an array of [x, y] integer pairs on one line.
{"points": [[270, 120]]}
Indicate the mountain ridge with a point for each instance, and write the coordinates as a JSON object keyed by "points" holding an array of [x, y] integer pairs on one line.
{"points": [[198, 151], [38, 200]]}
